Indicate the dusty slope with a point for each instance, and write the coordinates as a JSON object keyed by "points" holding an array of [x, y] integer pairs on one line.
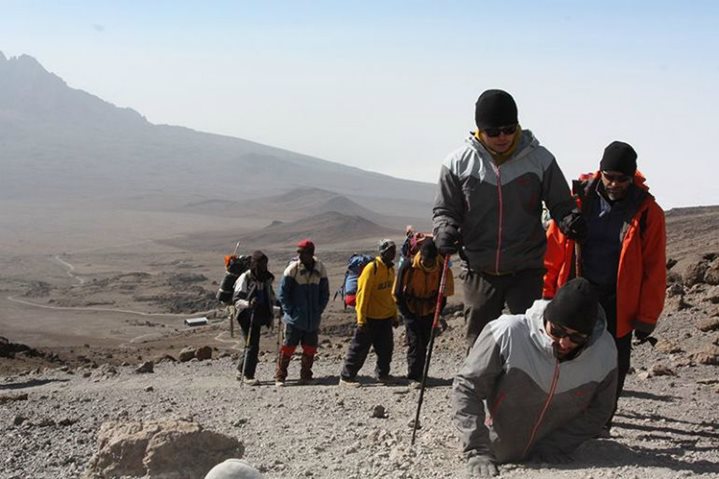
{"points": [[667, 426]]}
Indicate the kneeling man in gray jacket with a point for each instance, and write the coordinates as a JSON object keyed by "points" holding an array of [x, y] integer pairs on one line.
{"points": [[536, 385]]}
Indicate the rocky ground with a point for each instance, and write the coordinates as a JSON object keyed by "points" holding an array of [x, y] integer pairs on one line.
{"points": [[667, 425], [55, 400]]}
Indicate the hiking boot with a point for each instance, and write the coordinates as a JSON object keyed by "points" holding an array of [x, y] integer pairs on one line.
{"points": [[306, 369], [281, 371], [279, 383], [248, 381], [386, 379], [349, 382]]}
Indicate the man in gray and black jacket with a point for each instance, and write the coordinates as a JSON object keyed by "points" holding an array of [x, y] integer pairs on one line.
{"points": [[489, 206], [537, 385]]}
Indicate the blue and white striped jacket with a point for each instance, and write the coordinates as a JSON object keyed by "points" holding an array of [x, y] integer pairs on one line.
{"points": [[304, 294]]}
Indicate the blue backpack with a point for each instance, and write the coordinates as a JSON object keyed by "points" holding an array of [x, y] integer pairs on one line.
{"points": [[355, 265]]}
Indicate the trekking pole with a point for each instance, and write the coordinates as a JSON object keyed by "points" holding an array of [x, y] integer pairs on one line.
{"points": [[435, 323], [280, 331], [577, 189], [246, 350], [577, 259], [231, 314], [231, 308]]}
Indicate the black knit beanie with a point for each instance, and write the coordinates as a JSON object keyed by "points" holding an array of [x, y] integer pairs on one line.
{"points": [[619, 156], [495, 108], [575, 306], [428, 249]]}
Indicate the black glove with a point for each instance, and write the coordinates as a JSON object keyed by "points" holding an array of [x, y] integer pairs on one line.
{"points": [[402, 307], [643, 337], [574, 226], [448, 240], [481, 466], [552, 457]]}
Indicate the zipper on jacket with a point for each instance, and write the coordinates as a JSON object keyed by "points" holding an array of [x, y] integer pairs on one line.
{"points": [[552, 389], [501, 216]]}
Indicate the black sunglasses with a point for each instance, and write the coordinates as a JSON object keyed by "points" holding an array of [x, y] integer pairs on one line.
{"points": [[559, 332], [616, 178], [495, 132]]}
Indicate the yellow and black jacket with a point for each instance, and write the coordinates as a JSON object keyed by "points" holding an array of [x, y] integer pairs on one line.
{"points": [[374, 292]]}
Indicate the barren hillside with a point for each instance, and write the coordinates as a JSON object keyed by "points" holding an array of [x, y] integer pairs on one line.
{"points": [[55, 399]]}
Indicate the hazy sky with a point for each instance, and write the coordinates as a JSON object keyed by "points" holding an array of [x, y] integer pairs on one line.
{"points": [[390, 86]]}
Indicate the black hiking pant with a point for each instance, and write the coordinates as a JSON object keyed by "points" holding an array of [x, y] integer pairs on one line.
{"points": [[419, 332], [376, 333], [252, 349], [486, 294], [624, 346]]}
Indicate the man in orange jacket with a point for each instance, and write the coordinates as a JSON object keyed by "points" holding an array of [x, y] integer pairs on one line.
{"points": [[415, 292], [624, 255]]}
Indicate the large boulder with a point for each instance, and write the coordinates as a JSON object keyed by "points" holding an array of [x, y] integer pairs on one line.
{"points": [[694, 272], [203, 353], [697, 269], [711, 275], [165, 449], [187, 354]]}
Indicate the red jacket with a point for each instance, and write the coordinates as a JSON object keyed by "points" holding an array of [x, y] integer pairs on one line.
{"points": [[641, 277]]}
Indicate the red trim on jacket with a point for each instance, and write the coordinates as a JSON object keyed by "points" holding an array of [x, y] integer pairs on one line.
{"points": [[641, 276], [550, 395]]}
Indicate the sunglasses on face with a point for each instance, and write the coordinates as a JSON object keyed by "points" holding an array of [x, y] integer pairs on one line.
{"points": [[558, 332], [495, 132], [615, 178]]}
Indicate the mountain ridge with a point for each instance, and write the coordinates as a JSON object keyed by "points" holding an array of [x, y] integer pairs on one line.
{"points": [[61, 142]]}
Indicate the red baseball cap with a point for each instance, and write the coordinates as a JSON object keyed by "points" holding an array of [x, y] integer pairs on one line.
{"points": [[306, 244]]}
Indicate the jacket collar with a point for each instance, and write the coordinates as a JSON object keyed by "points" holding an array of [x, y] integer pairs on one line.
{"points": [[527, 143]]}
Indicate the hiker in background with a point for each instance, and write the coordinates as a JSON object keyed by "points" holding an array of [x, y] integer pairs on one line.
{"points": [[376, 316], [416, 291], [489, 209], [624, 254], [304, 294], [255, 304], [536, 385], [410, 246], [348, 290]]}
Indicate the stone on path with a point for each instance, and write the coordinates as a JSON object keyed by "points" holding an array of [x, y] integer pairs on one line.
{"points": [[170, 449]]}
